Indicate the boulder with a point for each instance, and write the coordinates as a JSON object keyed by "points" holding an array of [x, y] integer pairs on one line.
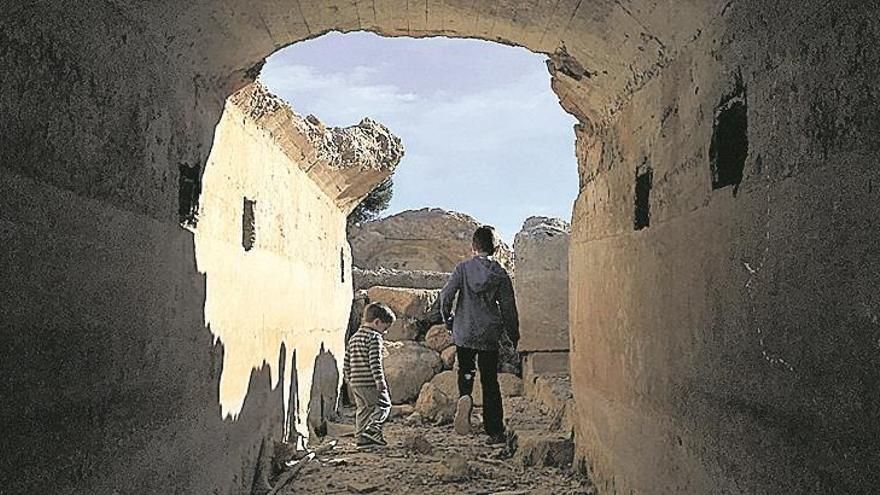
{"points": [[435, 405], [447, 382], [410, 305], [438, 338], [541, 284], [428, 239], [541, 449], [448, 357], [408, 366]]}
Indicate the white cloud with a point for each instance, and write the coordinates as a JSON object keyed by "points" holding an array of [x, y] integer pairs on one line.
{"points": [[501, 152]]}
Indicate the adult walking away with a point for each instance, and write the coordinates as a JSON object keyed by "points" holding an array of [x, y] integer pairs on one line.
{"points": [[485, 309]]}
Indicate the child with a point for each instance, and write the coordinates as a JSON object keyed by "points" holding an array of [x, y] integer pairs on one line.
{"points": [[485, 308], [365, 376]]}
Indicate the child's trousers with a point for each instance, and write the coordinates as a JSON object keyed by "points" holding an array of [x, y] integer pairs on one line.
{"points": [[373, 408]]}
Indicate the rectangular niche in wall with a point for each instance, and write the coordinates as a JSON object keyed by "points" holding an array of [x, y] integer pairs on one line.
{"points": [[189, 187], [248, 225], [642, 217], [730, 140]]}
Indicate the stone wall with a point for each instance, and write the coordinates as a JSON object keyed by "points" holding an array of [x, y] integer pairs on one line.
{"points": [[720, 317], [541, 284], [721, 343], [238, 365], [268, 214], [429, 239], [388, 277]]}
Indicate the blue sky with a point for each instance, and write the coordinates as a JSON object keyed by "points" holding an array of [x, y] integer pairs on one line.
{"points": [[484, 133]]}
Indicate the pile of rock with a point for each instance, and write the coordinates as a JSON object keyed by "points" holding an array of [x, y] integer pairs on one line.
{"points": [[420, 356], [403, 261]]}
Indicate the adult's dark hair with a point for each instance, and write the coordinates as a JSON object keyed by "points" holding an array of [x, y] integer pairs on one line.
{"points": [[379, 310], [486, 239]]}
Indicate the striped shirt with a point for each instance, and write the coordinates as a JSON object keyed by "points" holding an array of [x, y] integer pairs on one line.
{"points": [[363, 359]]}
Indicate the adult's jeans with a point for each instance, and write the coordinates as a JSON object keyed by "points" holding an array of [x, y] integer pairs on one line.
{"points": [[493, 411]]}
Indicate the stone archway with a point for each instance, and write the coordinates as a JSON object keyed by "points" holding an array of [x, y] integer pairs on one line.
{"points": [[721, 340]]}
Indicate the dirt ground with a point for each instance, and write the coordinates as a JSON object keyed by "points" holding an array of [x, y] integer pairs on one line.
{"points": [[455, 464]]}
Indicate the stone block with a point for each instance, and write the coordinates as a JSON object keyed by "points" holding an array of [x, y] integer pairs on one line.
{"points": [[408, 366], [536, 364], [542, 449], [438, 338], [435, 405], [410, 306], [541, 284], [448, 357], [388, 277]]}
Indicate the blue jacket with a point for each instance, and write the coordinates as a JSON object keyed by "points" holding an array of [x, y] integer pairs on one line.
{"points": [[486, 306]]}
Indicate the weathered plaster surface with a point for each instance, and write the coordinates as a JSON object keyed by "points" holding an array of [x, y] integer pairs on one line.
{"points": [[727, 347]]}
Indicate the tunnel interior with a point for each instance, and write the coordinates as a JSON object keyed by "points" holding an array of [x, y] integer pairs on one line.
{"points": [[679, 331]]}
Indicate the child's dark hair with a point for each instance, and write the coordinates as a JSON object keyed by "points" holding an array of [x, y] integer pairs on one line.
{"points": [[381, 311], [486, 239]]}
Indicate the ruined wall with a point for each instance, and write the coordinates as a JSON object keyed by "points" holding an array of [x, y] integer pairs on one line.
{"points": [[723, 320], [541, 284], [263, 233], [429, 239], [541, 288], [725, 346], [157, 341]]}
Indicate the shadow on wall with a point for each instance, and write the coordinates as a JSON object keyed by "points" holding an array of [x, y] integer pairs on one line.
{"points": [[324, 393], [111, 377]]}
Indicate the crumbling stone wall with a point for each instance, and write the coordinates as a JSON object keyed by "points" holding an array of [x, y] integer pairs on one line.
{"points": [[720, 343], [430, 239], [269, 213], [542, 284], [541, 288], [728, 327]]}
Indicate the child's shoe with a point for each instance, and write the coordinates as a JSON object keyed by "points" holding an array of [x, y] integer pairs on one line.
{"points": [[375, 437]]}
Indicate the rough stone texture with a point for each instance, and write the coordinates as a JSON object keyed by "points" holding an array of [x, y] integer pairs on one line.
{"points": [[410, 305], [542, 449], [732, 334], [448, 357], [346, 163], [536, 364], [438, 338], [541, 284], [428, 239], [418, 444], [408, 366], [728, 346], [553, 395], [435, 405], [455, 467], [447, 382], [295, 222], [409, 279]]}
